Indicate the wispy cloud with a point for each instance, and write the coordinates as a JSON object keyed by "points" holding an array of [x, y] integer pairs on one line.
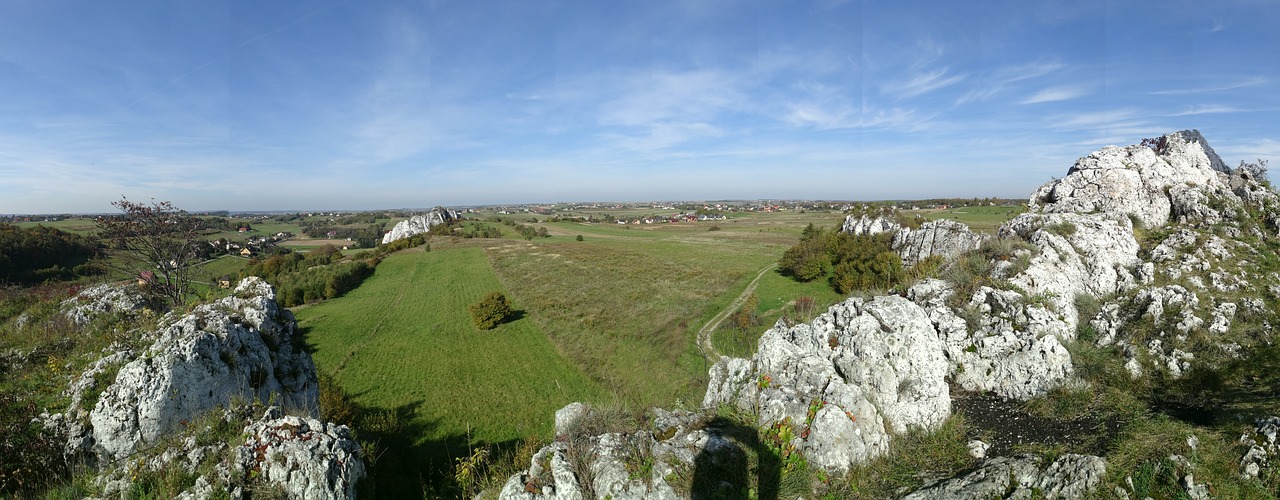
{"points": [[1054, 94], [1005, 77], [1206, 109], [824, 116], [923, 83], [1247, 82]]}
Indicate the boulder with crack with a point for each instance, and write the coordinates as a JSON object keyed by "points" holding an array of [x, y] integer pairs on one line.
{"points": [[242, 346], [842, 384], [1006, 346], [945, 238]]}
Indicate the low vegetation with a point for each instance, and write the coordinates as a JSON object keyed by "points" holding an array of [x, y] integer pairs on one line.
{"points": [[490, 311]]}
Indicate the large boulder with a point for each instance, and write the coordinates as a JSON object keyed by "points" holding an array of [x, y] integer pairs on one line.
{"points": [[419, 224], [242, 346], [859, 372], [946, 238]]}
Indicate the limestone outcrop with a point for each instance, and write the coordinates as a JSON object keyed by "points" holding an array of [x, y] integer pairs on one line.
{"points": [[183, 394], [944, 238], [1157, 183], [419, 224], [1070, 476], [845, 382], [242, 346], [307, 458], [102, 300]]}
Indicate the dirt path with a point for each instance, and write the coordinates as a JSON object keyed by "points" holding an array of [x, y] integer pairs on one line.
{"points": [[704, 335]]}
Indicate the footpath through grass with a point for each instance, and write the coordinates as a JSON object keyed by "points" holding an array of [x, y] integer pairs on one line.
{"points": [[404, 342]]}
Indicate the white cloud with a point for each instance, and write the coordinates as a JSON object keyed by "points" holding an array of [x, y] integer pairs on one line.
{"points": [[1054, 94], [1247, 82], [923, 83], [1206, 109]]}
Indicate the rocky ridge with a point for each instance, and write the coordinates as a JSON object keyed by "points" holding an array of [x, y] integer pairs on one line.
{"points": [[1095, 260], [229, 356], [419, 224]]}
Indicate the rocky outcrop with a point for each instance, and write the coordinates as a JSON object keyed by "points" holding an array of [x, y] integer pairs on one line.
{"points": [[1154, 184], [102, 300], [859, 372], [249, 452], [242, 346], [621, 465], [867, 225], [307, 458], [1070, 476], [945, 238], [1262, 447], [419, 224], [1007, 346]]}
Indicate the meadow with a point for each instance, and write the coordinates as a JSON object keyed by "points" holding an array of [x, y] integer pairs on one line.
{"points": [[978, 218], [403, 342]]}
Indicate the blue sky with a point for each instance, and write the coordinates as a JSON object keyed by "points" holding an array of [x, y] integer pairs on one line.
{"points": [[249, 105]]}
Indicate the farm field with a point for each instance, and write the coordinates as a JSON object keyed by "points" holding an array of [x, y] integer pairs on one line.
{"points": [[404, 342], [76, 225]]}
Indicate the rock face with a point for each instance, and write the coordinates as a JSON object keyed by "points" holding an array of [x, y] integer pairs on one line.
{"points": [[419, 224], [945, 238], [1070, 476], [1011, 349], [860, 371], [1151, 183], [243, 346]]}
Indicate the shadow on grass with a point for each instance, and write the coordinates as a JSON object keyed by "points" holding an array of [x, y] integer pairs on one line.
{"points": [[724, 471], [403, 465]]}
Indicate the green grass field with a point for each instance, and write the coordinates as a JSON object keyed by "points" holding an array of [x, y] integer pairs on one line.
{"points": [[76, 225], [404, 341], [984, 219]]}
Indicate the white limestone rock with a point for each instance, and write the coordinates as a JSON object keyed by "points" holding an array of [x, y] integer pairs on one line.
{"points": [[1261, 445], [419, 224], [859, 371], [308, 458], [1070, 476], [945, 238], [103, 300], [1012, 347], [867, 225], [1149, 183], [239, 346]]}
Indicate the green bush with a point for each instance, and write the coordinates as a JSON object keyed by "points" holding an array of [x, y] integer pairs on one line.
{"points": [[491, 311]]}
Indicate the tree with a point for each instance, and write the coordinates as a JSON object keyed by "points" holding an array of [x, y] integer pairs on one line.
{"points": [[157, 238], [491, 311]]}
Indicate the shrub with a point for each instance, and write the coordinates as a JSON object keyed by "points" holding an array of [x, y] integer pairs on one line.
{"points": [[579, 237], [491, 311]]}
